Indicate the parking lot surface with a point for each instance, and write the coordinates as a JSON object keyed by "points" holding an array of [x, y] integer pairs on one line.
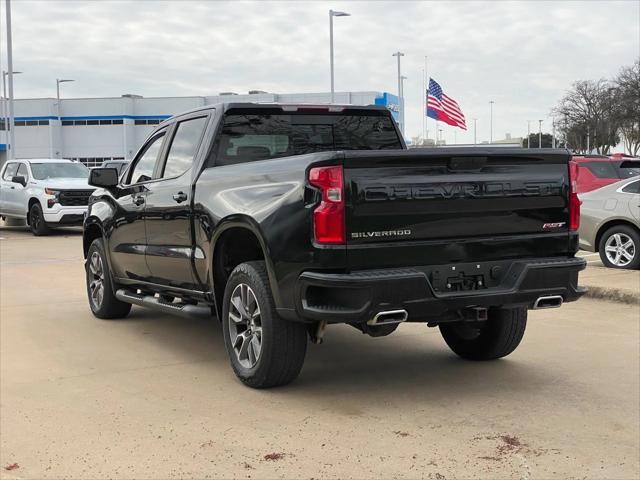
{"points": [[153, 396]]}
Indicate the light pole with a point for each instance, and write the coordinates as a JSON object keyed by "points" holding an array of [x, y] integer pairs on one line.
{"points": [[528, 133], [5, 100], [491, 102], [540, 133], [12, 142], [553, 133], [400, 99], [332, 14], [475, 138], [58, 82]]}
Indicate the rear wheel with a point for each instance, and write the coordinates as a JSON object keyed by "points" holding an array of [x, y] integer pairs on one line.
{"points": [[618, 247], [37, 223], [102, 300], [497, 337], [264, 349]]}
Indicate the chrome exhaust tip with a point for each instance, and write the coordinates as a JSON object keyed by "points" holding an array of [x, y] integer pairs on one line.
{"points": [[551, 301], [388, 317]]}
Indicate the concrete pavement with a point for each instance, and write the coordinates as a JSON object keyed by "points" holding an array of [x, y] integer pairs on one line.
{"points": [[153, 396]]}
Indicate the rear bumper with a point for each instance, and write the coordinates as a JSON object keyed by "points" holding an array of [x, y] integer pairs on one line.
{"points": [[424, 292]]}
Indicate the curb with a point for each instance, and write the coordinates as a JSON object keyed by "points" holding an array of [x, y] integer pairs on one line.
{"points": [[613, 295]]}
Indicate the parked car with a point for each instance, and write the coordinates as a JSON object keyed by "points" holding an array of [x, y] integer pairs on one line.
{"points": [[610, 223], [597, 171], [47, 193], [281, 219]]}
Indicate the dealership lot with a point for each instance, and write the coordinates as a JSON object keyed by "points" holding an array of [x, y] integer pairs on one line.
{"points": [[153, 396]]}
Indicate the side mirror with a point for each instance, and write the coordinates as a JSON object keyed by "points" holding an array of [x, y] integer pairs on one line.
{"points": [[103, 177], [19, 179]]}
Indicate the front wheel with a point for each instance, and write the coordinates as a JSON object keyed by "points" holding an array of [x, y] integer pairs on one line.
{"points": [[264, 349], [618, 247], [102, 300], [497, 337], [37, 222]]}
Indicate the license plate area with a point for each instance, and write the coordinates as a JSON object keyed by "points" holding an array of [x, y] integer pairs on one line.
{"points": [[466, 277]]}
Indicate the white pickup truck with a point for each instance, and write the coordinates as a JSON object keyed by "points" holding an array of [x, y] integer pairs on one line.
{"points": [[46, 193]]}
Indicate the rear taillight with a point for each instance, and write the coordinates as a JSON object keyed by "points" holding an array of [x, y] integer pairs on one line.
{"points": [[574, 201], [328, 217]]}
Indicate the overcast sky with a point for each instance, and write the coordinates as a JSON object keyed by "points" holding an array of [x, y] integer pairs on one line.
{"points": [[522, 55]]}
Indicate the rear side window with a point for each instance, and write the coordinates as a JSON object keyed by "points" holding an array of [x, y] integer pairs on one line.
{"points": [[184, 147], [251, 136], [143, 170], [633, 187], [628, 168], [10, 171], [602, 169]]}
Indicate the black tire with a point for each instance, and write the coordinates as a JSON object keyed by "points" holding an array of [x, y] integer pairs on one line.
{"points": [[495, 338], [37, 223], [625, 231], [109, 306], [283, 344]]}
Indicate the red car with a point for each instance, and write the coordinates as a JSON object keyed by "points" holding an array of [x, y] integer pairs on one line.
{"points": [[595, 171]]}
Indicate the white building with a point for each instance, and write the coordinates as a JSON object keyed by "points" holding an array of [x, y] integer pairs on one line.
{"points": [[93, 130]]}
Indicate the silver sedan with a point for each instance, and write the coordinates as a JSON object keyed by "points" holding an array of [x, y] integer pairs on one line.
{"points": [[610, 223]]}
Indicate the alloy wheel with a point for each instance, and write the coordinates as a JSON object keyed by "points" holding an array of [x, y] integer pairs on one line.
{"points": [[35, 219], [96, 279], [620, 249], [245, 326]]}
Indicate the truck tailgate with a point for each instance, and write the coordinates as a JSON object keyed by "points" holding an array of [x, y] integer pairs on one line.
{"points": [[451, 205]]}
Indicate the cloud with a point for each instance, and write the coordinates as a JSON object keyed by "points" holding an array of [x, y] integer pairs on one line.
{"points": [[522, 55]]}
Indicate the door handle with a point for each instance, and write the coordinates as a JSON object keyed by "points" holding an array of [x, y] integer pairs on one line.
{"points": [[180, 197], [138, 200]]}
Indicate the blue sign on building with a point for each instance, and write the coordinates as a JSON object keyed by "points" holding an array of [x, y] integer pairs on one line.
{"points": [[392, 102]]}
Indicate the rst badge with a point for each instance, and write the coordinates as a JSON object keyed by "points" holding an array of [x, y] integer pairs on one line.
{"points": [[552, 226]]}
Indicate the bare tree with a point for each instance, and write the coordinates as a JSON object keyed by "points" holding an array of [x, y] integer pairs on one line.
{"points": [[627, 85], [589, 116]]}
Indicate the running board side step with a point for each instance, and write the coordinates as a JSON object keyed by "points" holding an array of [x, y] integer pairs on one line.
{"points": [[182, 309]]}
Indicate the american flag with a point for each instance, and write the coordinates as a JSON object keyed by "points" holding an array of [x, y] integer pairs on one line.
{"points": [[442, 107]]}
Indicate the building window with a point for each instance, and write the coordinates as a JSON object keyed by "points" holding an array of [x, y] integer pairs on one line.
{"points": [[31, 123], [147, 122], [117, 122], [105, 122], [67, 123], [43, 122], [20, 123]]}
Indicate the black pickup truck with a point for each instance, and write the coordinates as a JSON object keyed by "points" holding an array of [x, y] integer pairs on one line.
{"points": [[282, 219]]}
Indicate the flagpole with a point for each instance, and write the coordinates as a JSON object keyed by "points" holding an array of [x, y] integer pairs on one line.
{"points": [[424, 108], [426, 99]]}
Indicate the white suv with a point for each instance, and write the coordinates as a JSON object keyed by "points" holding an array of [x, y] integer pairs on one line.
{"points": [[45, 192]]}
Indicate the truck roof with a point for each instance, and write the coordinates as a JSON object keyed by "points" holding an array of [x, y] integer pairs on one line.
{"points": [[285, 107]]}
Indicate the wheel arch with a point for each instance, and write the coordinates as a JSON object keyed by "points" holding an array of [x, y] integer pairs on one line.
{"points": [[32, 201], [238, 239], [609, 224], [92, 230]]}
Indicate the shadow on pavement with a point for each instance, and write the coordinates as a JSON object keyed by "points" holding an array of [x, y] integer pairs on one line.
{"points": [[399, 367]]}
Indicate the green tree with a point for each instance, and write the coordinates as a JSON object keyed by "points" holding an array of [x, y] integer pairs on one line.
{"points": [[547, 141]]}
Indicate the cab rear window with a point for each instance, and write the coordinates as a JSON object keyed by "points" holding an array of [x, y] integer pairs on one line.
{"points": [[247, 137]]}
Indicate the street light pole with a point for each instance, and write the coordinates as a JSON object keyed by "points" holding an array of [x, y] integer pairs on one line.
{"points": [[528, 133], [540, 133], [12, 138], [491, 122], [5, 101], [400, 99], [332, 14], [553, 133]]}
